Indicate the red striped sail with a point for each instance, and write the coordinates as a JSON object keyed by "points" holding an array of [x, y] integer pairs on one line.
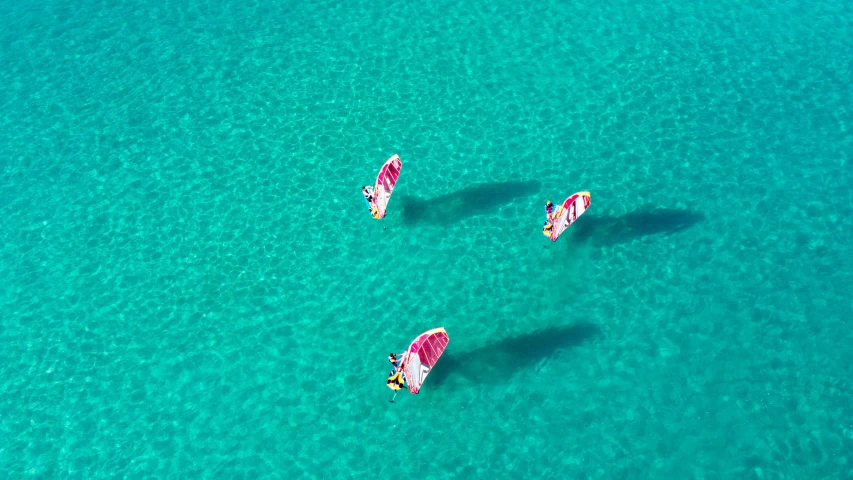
{"points": [[567, 213], [422, 355], [385, 182]]}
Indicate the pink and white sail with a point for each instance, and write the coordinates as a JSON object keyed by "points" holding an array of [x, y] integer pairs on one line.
{"points": [[568, 212], [422, 355], [385, 182]]}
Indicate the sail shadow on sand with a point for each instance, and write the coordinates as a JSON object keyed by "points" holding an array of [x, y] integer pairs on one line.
{"points": [[497, 361], [603, 230], [468, 202]]}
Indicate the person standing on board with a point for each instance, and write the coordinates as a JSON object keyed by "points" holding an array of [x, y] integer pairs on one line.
{"points": [[549, 219], [396, 379], [396, 360], [371, 204]]}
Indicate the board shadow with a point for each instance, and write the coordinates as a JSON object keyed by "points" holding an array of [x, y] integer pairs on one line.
{"points": [[499, 360], [610, 230], [465, 203]]}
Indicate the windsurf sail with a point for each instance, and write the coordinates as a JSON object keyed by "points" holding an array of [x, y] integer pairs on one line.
{"points": [[422, 355], [568, 212], [385, 182]]}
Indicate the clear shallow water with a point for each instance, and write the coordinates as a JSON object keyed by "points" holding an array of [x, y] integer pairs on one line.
{"points": [[192, 288]]}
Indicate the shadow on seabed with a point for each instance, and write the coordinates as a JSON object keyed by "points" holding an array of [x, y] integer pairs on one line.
{"points": [[606, 230], [465, 203], [497, 361]]}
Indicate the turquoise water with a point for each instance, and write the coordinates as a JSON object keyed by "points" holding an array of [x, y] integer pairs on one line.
{"points": [[191, 286]]}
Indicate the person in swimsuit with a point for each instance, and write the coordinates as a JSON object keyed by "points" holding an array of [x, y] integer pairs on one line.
{"points": [[396, 378], [549, 219]]}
